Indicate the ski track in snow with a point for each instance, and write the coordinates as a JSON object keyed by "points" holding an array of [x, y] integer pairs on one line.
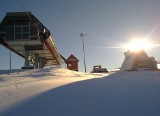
{"points": [[60, 92]]}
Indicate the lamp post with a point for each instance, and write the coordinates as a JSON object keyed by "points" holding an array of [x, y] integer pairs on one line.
{"points": [[82, 36]]}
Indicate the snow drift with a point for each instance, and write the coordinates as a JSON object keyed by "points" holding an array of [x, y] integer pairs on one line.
{"points": [[80, 94]]}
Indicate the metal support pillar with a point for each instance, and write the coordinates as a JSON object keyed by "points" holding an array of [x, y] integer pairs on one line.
{"points": [[41, 62], [36, 61], [27, 58]]}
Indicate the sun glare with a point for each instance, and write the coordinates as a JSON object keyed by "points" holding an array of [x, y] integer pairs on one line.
{"points": [[138, 44]]}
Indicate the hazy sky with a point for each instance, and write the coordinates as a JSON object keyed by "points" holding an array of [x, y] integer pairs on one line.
{"points": [[107, 23]]}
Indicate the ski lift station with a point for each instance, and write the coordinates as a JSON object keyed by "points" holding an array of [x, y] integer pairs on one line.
{"points": [[25, 35]]}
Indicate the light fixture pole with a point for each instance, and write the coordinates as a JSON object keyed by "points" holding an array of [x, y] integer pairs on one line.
{"points": [[82, 36]]}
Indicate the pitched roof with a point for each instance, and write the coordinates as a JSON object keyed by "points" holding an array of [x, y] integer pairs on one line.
{"points": [[72, 57]]}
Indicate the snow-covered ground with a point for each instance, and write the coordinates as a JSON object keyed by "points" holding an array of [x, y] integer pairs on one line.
{"points": [[61, 92]]}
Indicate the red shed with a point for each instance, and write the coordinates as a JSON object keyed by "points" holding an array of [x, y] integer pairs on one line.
{"points": [[72, 63]]}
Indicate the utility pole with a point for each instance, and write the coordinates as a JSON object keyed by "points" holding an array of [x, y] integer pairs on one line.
{"points": [[82, 36]]}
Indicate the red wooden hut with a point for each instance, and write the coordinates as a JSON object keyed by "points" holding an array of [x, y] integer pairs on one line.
{"points": [[72, 63]]}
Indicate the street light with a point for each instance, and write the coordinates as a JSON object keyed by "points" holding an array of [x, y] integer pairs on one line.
{"points": [[82, 35]]}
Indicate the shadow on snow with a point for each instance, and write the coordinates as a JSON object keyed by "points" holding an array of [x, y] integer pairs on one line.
{"points": [[108, 96]]}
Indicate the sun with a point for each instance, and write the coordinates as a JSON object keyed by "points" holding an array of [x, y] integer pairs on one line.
{"points": [[138, 44]]}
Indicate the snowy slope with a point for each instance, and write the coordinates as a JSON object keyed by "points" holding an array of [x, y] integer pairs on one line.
{"points": [[60, 92]]}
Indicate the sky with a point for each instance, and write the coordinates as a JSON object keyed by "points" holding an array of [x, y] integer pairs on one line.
{"points": [[106, 23]]}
